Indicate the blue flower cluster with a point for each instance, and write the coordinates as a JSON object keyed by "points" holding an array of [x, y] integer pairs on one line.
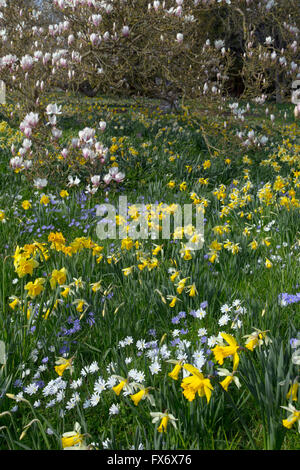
{"points": [[286, 299]]}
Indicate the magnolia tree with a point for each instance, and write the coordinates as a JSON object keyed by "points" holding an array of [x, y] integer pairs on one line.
{"points": [[115, 46], [268, 37], [169, 49], [157, 49], [264, 38], [185, 47], [32, 63]]}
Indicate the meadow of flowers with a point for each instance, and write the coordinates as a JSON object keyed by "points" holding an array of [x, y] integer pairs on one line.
{"points": [[149, 344]]}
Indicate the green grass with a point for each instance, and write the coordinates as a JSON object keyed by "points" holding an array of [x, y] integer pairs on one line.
{"points": [[167, 147]]}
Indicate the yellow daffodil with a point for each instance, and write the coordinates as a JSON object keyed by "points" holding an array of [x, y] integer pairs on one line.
{"points": [[221, 352], [78, 283], [24, 266], [213, 257], [174, 275], [268, 263], [80, 304], [176, 370], [124, 383], [229, 377], [58, 277], [96, 286], [163, 425], [293, 391], [192, 290], [35, 288], [181, 285], [294, 417], [14, 302], [196, 383], [66, 291], [118, 388], [165, 419], [142, 395], [137, 397], [257, 338], [63, 364], [57, 240], [26, 205], [253, 245], [156, 250], [44, 200], [126, 244], [173, 299], [64, 193], [186, 254], [127, 271], [73, 440]]}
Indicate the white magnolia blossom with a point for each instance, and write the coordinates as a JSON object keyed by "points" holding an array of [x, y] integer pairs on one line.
{"points": [[53, 109], [73, 181], [179, 38]]}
